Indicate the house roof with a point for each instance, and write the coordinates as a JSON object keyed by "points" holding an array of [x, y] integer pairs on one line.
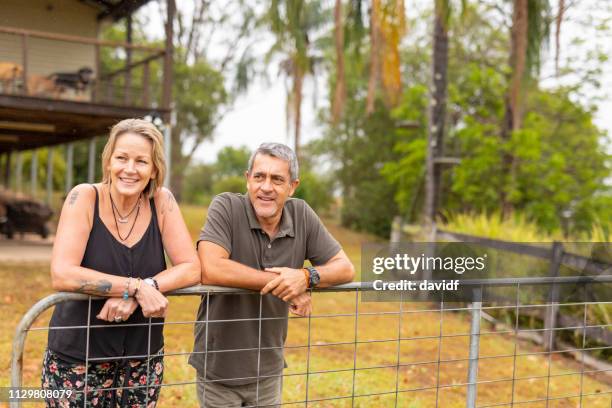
{"points": [[115, 9]]}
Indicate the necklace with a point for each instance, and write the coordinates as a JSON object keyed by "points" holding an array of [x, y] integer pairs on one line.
{"points": [[113, 208], [122, 219]]}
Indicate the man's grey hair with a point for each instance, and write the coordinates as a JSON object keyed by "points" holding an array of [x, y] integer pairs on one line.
{"points": [[281, 151]]}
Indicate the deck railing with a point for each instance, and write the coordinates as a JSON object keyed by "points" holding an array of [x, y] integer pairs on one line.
{"points": [[129, 84]]}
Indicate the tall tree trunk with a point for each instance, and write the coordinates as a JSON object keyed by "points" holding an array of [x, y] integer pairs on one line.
{"points": [[298, 83], [340, 90], [558, 21], [374, 55], [437, 113], [514, 98], [178, 163], [392, 27]]}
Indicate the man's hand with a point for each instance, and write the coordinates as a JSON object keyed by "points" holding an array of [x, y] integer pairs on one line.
{"points": [[301, 305], [152, 302], [117, 308], [287, 285]]}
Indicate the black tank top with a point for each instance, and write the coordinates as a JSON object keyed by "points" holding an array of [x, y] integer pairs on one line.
{"points": [[105, 254]]}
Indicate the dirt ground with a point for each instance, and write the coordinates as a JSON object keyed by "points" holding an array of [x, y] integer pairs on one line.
{"points": [[29, 248]]}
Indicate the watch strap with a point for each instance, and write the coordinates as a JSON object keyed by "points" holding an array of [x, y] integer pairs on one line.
{"points": [[307, 277], [315, 278]]}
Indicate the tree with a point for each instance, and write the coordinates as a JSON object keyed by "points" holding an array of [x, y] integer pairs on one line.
{"points": [[294, 22], [232, 161], [437, 107], [361, 140], [226, 174], [202, 95], [374, 162], [205, 85], [387, 27], [198, 184], [232, 184], [340, 88], [560, 164], [553, 176], [315, 189], [348, 39], [357, 148], [530, 29]]}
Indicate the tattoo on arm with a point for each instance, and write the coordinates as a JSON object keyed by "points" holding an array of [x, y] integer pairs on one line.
{"points": [[101, 287], [170, 201], [73, 198]]}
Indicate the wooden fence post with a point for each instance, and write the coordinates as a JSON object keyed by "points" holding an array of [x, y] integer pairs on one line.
{"points": [[552, 311]]}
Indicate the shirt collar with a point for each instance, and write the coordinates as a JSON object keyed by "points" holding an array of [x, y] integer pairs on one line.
{"points": [[286, 222]]}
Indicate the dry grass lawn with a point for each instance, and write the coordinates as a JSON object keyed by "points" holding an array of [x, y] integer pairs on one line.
{"points": [[419, 373]]}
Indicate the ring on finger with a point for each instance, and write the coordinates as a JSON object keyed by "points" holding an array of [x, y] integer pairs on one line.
{"points": [[118, 319]]}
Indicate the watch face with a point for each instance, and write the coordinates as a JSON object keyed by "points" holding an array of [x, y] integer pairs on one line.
{"points": [[314, 277]]}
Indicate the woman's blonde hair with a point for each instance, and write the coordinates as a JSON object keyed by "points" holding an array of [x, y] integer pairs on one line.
{"points": [[149, 131]]}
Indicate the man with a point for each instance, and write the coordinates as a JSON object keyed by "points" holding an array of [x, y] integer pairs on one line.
{"points": [[258, 241]]}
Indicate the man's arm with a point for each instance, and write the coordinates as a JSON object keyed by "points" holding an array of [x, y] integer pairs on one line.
{"points": [[290, 283], [218, 269], [337, 270]]}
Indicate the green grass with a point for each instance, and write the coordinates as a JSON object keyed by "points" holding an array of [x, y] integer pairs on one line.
{"points": [[25, 283], [517, 229]]}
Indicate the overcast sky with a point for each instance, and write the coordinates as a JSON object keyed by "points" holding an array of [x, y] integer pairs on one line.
{"points": [[259, 116]]}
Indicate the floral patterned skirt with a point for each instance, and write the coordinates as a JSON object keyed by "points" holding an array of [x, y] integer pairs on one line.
{"points": [[117, 383]]}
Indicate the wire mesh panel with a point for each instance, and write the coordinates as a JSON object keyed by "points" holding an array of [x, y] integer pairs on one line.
{"points": [[396, 354]]}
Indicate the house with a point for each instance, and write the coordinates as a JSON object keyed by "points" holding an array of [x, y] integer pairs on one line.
{"points": [[54, 89]]}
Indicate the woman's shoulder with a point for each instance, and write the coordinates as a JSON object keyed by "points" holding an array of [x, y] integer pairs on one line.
{"points": [[85, 191], [162, 195], [164, 200], [80, 202]]}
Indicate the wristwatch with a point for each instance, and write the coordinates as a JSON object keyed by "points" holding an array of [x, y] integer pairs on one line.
{"points": [[151, 282], [314, 277]]}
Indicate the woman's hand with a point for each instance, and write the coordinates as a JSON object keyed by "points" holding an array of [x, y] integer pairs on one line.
{"points": [[117, 309], [152, 302]]}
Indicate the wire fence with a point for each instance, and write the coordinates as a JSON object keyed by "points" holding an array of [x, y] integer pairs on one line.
{"points": [[395, 368]]}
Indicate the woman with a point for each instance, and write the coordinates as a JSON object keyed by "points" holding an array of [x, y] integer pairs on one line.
{"points": [[110, 243]]}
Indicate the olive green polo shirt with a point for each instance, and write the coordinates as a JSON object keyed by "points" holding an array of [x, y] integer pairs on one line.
{"points": [[233, 346]]}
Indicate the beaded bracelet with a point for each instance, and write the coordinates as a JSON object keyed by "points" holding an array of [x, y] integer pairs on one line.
{"points": [[126, 291], [137, 286]]}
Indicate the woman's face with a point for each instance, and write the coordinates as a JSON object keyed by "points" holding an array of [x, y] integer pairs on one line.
{"points": [[131, 165]]}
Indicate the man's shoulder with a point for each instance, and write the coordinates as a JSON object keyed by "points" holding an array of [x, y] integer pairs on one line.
{"points": [[296, 204], [301, 211], [226, 206], [229, 199]]}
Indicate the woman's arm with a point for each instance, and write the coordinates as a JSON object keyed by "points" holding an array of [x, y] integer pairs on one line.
{"points": [[69, 246], [178, 245]]}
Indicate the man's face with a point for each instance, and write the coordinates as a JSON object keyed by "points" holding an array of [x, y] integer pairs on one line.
{"points": [[269, 185]]}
